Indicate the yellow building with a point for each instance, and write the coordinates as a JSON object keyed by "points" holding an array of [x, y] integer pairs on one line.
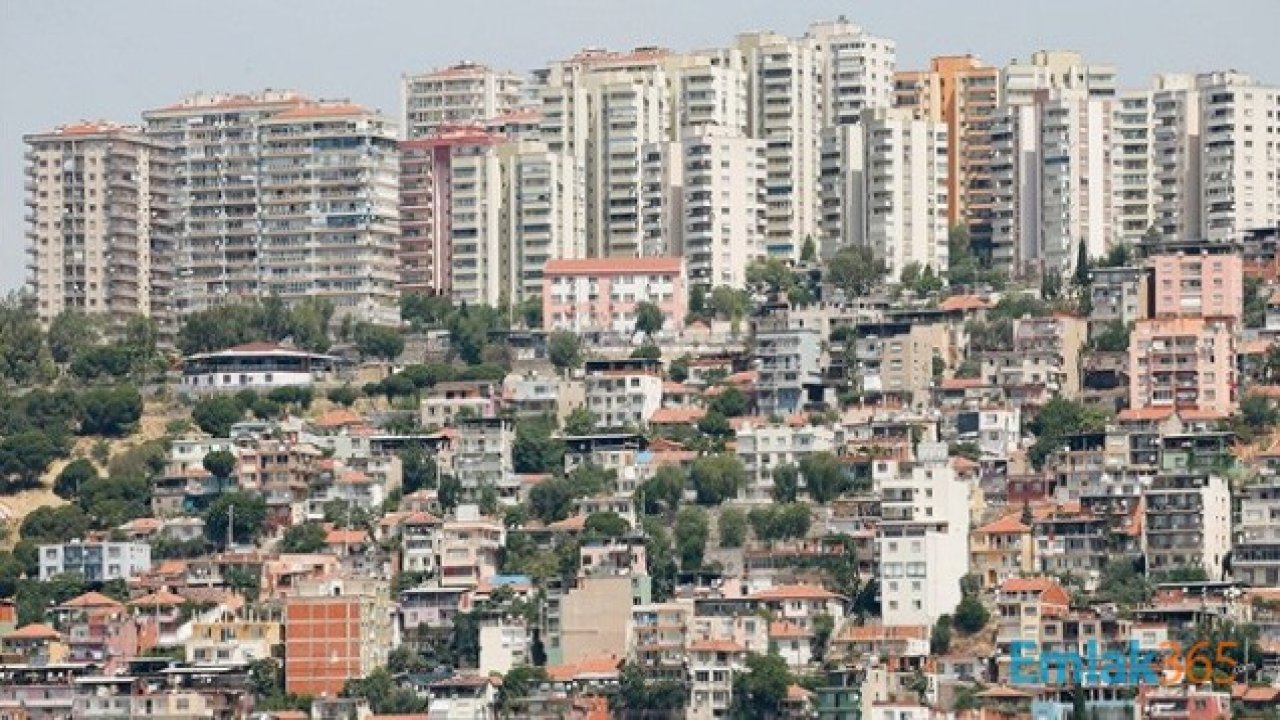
{"points": [[1001, 550], [235, 639]]}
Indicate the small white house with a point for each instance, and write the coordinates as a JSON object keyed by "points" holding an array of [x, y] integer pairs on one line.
{"points": [[254, 366]]}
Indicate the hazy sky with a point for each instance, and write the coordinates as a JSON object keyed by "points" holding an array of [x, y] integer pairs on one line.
{"points": [[62, 60]]}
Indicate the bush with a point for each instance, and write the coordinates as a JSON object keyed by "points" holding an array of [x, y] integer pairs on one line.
{"points": [[110, 411], [75, 474], [215, 415]]}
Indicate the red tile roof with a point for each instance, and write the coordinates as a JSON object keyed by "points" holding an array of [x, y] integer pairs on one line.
{"points": [[92, 600], [316, 110], [797, 592], [338, 418], [613, 266], [787, 630], [163, 598], [726, 646], [964, 302], [346, 537], [1006, 524], [677, 416], [34, 631]]}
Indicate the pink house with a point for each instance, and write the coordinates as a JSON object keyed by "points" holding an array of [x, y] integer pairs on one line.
{"points": [[1186, 362], [600, 295], [1199, 284]]}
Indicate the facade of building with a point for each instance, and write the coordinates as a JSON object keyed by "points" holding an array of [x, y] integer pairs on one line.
{"points": [[789, 366], [100, 235], [95, 561], [1205, 283], [601, 295], [1183, 362], [962, 93], [461, 94], [278, 195], [884, 186], [335, 630]]}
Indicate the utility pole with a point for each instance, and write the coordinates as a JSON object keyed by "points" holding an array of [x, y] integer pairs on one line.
{"points": [[231, 524]]}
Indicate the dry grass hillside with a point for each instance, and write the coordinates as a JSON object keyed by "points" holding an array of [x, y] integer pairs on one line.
{"points": [[14, 508]]}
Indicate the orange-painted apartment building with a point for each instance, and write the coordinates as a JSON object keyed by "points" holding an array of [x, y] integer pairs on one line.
{"points": [[336, 629]]}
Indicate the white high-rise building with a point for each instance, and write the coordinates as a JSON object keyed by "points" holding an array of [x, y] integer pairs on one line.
{"points": [[885, 186], [923, 537], [329, 209], [710, 88], [1175, 136], [461, 94], [857, 70], [785, 76], [706, 195], [602, 109], [216, 192], [1239, 157], [513, 207], [1021, 82], [1133, 166], [99, 231], [1051, 174]]}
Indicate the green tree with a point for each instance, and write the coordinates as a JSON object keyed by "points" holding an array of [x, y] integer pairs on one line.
{"points": [[536, 449], [730, 402], [220, 463], [940, 637], [659, 558], [215, 415], [110, 411], [418, 470], [1082, 265], [663, 492], [76, 473], [304, 538], [250, 513], [71, 332], [1112, 337], [691, 532], [648, 351], [856, 270], [450, 493], [786, 483], [770, 275], [733, 528], [102, 361], [607, 524], [384, 695], [824, 476], [809, 250], [717, 478], [377, 341], [344, 395], [760, 690], [971, 615], [518, 683], [781, 521], [551, 500], [24, 358], [579, 422], [649, 318], [564, 350], [678, 370], [49, 524], [729, 303], [647, 696], [1056, 420]]}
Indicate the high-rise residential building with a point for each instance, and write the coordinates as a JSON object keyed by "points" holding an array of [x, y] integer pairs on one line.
{"points": [[785, 76], [216, 192], [710, 88], [798, 86], [1239, 165], [1133, 166], [329, 210], [280, 195], [885, 186], [426, 231], [710, 206], [856, 70], [1198, 280], [961, 92], [1184, 362], [460, 94], [602, 109], [1051, 172], [1175, 147], [99, 230], [1021, 82], [513, 207]]}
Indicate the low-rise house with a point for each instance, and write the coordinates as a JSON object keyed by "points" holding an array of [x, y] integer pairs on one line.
{"points": [[95, 561], [1001, 550]]}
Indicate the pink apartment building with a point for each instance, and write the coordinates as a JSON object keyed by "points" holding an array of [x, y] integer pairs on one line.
{"points": [[1186, 362], [1199, 284], [600, 295]]}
